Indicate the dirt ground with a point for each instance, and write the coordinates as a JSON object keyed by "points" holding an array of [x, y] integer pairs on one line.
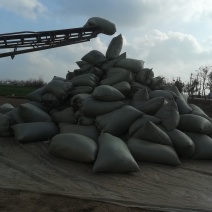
{"points": [[205, 105], [13, 101], [14, 201]]}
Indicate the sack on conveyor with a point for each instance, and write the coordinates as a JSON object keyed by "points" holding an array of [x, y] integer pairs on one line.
{"points": [[95, 58], [106, 26], [114, 48], [203, 146], [124, 87], [31, 113], [194, 123], [151, 106], [144, 76], [65, 115], [182, 143], [92, 108], [140, 97], [90, 80], [74, 147], [35, 131], [139, 122], [157, 83], [6, 107], [118, 121], [151, 132], [169, 115], [59, 88], [182, 105], [81, 89], [114, 156], [168, 95], [107, 93], [5, 130], [131, 64], [196, 110], [116, 75], [50, 100], [152, 152], [36, 95], [112, 63], [88, 131]]}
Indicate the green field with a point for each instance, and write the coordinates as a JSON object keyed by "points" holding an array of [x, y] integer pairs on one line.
{"points": [[11, 90]]}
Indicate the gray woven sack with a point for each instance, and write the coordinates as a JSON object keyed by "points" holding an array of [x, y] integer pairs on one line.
{"points": [[74, 147], [114, 47], [114, 156], [152, 152]]}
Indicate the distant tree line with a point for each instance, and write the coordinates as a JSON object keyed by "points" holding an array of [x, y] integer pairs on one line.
{"points": [[36, 83], [199, 82]]}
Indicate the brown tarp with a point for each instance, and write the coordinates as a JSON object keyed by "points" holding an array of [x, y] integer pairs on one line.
{"points": [[30, 167]]}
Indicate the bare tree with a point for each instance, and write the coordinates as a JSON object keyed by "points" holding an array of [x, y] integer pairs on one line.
{"points": [[198, 82], [179, 84], [193, 86], [204, 71], [210, 79]]}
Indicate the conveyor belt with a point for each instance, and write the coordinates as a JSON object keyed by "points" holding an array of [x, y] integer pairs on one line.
{"points": [[26, 41]]}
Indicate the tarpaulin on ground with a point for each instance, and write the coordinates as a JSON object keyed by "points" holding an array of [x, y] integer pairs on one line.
{"points": [[30, 167]]}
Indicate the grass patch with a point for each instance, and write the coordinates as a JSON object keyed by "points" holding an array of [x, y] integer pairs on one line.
{"points": [[11, 90]]}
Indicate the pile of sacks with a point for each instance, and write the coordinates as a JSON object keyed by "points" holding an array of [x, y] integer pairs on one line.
{"points": [[111, 112]]}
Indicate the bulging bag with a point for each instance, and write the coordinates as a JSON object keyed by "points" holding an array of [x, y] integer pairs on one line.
{"points": [[114, 47], [107, 93], [114, 156], [92, 108], [133, 65], [118, 121], [94, 57], [195, 123], [31, 113], [182, 105], [74, 147], [35, 131], [169, 115], [143, 150]]}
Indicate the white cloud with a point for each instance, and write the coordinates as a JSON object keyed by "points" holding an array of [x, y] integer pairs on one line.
{"points": [[26, 8], [139, 13], [179, 11], [171, 54]]}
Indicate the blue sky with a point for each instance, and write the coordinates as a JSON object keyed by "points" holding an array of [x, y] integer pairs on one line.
{"points": [[172, 37]]}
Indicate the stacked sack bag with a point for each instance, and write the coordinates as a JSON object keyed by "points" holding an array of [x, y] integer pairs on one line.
{"points": [[111, 112]]}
